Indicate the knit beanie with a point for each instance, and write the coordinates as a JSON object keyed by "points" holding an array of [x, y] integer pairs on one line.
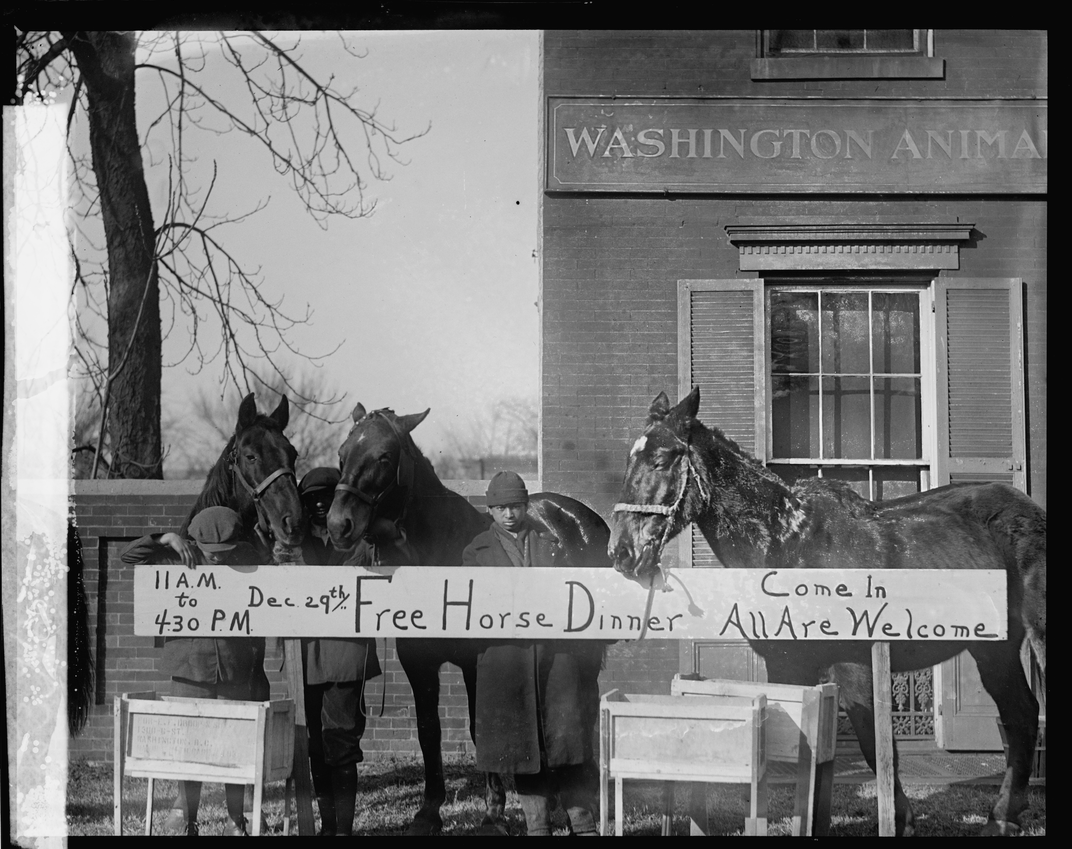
{"points": [[322, 477], [506, 488]]}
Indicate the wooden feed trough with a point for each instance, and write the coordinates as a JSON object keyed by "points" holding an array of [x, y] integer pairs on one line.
{"points": [[214, 740], [669, 738], [801, 729]]}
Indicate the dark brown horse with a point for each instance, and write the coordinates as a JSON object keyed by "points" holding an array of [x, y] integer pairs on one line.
{"points": [[254, 476], [390, 496], [680, 471]]}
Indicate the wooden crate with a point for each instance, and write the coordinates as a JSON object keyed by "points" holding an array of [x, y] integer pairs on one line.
{"points": [[217, 740], [801, 729], [670, 738]]}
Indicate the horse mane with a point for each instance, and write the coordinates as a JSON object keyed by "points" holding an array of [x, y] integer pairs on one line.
{"points": [[218, 489]]}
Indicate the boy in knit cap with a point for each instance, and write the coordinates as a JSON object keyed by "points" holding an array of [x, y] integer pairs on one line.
{"points": [[335, 674], [208, 667], [537, 701]]}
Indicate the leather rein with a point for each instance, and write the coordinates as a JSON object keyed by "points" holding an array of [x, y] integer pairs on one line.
{"points": [[256, 492]]}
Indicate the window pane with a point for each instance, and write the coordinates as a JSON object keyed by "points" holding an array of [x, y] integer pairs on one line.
{"points": [[795, 416], [839, 39], [895, 482], [846, 417], [898, 418], [790, 39], [794, 332], [902, 40], [845, 333], [855, 478], [895, 330], [803, 41]]}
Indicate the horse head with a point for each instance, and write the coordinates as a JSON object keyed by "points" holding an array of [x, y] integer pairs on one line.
{"points": [[377, 462], [262, 459], [654, 505]]}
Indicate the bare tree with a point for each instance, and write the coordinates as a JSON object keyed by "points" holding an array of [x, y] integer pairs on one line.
{"points": [[126, 267], [316, 429], [509, 429]]}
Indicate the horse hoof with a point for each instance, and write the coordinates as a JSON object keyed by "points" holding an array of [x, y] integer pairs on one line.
{"points": [[1000, 828], [426, 823]]}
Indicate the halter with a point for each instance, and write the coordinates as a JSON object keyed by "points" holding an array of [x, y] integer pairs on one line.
{"points": [[662, 510], [403, 477], [257, 491]]}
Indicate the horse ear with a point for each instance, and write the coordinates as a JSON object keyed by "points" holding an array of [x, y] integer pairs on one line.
{"points": [[689, 406], [281, 413], [247, 412], [409, 422], [358, 413], [660, 407]]}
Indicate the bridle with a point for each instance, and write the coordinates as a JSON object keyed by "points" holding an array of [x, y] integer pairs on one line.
{"points": [[256, 492], [670, 511], [403, 476]]}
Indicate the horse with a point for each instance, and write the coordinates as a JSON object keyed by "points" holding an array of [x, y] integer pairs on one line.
{"points": [[681, 471], [390, 496], [254, 476]]}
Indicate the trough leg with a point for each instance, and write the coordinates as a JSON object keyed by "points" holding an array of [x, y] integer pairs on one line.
{"points": [[149, 808], [619, 814]]}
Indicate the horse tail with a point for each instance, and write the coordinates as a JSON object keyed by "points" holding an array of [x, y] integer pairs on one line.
{"points": [[79, 659], [1031, 562], [1018, 524]]}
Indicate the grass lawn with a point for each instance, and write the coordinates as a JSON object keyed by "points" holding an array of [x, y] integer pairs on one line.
{"points": [[390, 793]]}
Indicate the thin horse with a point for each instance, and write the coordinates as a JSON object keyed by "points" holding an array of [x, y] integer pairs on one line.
{"points": [[390, 496], [680, 471], [254, 476]]}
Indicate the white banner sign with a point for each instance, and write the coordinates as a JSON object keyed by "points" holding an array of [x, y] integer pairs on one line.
{"points": [[546, 603]]}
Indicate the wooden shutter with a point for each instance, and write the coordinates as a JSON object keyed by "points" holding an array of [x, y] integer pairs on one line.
{"points": [[722, 349], [980, 381], [981, 437]]}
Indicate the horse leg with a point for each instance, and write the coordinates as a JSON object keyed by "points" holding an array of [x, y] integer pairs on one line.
{"points": [[423, 679], [856, 693], [494, 788], [1003, 677]]}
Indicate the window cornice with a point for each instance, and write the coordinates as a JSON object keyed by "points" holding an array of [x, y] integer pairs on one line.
{"points": [[853, 247]]}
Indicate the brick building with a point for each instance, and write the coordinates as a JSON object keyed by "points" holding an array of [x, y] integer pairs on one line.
{"points": [[715, 203]]}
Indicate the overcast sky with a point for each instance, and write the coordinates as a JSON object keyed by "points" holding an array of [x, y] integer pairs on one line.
{"points": [[432, 300]]}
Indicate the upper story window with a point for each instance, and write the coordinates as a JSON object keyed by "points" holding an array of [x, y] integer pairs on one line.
{"points": [[789, 42], [845, 54]]}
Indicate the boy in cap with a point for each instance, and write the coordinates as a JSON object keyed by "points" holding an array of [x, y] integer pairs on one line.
{"points": [[537, 701], [335, 675], [208, 667]]}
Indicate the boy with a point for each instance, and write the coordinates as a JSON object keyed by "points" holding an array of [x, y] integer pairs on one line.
{"points": [[207, 667], [335, 675], [537, 702]]}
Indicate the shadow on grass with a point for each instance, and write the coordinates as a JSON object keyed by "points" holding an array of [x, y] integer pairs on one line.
{"points": [[391, 791]]}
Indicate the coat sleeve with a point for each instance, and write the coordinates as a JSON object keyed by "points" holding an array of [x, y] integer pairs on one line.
{"points": [[147, 549]]}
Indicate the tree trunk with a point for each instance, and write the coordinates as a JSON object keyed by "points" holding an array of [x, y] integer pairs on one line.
{"points": [[106, 62]]}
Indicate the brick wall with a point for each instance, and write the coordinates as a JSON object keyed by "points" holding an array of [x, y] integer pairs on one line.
{"points": [[111, 513], [611, 267]]}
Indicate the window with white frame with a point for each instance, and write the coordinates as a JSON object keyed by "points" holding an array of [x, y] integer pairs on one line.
{"points": [[845, 382], [799, 42]]}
